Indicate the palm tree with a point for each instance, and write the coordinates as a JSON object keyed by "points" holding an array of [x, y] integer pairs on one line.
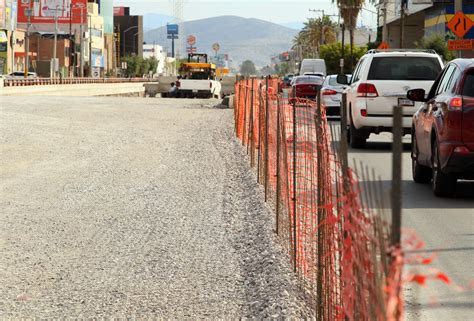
{"points": [[314, 33]]}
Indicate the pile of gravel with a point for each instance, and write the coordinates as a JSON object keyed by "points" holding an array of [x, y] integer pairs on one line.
{"points": [[126, 207]]}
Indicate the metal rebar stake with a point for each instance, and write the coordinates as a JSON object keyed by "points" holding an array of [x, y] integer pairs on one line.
{"points": [[267, 114], [397, 176], [278, 186], [294, 182]]}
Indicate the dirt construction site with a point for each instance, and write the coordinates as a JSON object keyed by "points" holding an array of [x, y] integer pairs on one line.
{"points": [[116, 207]]}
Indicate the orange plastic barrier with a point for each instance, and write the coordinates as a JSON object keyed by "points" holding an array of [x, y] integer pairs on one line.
{"points": [[340, 251]]}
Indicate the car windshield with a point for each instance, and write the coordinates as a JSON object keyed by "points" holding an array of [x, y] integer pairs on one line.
{"points": [[332, 81], [308, 80], [468, 88], [404, 68]]}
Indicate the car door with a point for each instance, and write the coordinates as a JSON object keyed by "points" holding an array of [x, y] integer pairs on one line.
{"points": [[431, 111], [468, 109], [352, 88]]}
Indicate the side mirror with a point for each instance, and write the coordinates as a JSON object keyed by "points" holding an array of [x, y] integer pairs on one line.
{"points": [[416, 95], [343, 79]]}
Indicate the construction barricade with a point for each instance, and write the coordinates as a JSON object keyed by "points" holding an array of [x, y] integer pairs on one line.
{"points": [[340, 248]]}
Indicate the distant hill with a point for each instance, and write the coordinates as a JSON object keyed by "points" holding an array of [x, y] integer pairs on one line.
{"points": [[239, 37], [298, 25], [155, 20]]}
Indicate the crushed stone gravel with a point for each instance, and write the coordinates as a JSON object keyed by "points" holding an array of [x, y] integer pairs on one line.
{"points": [[132, 207]]}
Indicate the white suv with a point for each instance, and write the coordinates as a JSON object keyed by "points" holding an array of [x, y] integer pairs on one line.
{"points": [[380, 81]]}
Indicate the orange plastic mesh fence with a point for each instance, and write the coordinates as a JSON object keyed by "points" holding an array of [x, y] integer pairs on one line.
{"points": [[339, 249]]}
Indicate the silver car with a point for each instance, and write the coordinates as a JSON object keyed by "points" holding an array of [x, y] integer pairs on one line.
{"points": [[331, 94]]}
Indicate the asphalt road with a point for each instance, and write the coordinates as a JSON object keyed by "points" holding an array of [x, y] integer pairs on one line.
{"points": [[447, 228]]}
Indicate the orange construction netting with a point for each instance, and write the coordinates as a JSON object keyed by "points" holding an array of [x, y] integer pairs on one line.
{"points": [[340, 250]]}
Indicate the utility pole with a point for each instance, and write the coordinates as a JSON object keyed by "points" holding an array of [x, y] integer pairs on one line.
{"points": [[28, 13], [402, 21], [384, 28], [322, 20], [55, 44], [89, 20], [81, 40], [70, 39], [458, 7]]}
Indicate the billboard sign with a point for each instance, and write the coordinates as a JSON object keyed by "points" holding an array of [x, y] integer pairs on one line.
{"points": [[45, 11], [172, 29]]}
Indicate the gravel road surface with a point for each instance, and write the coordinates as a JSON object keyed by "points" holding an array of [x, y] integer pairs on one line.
{"points": [[116, 207]]}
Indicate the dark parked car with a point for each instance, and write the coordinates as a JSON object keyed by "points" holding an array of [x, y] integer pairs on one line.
{"points": [[443, 129], [305, 86]]}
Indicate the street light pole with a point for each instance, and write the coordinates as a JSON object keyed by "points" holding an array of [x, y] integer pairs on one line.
{"points": [[402, 22], [28, 12], [81, 40], [134, 41], [55, 44]]}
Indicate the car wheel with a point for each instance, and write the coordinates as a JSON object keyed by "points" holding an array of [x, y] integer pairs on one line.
{"points": [[444, 185], [421, 174], [357, 138]]}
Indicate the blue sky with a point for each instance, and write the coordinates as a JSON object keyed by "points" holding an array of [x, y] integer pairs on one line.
{"points": [[277, 11]]}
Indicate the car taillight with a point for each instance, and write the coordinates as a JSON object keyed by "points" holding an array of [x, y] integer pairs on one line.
{"points": [[328, 92], [456, 103], [462, 150], [367, 90], [210, 85], [363, 112], [178, 84]]}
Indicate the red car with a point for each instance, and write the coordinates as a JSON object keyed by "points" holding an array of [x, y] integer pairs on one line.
{"points": [[306, 86], [443, 129]]}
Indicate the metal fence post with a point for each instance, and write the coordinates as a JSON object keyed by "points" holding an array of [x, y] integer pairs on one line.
{"points": [[343, 146], [267, 115], [397, 176], [294, 183], [244, 126], [278, 186], [320, 141], [259, 148], [250, 141]]}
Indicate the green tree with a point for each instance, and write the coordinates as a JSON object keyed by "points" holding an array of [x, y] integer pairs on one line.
{"points": [[314, 33], [331, 54], [437, 42], [133, 67], [144, 66], [248, 68], [282, 68], [137, 66], [153, 62]]}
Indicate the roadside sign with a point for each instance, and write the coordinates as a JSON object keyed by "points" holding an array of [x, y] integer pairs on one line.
{"points": [[460, 24], [172, 29], [191, 40], [216, 47], [462, 44], [383, 46]]}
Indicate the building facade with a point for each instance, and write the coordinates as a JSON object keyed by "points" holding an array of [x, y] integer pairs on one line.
{"points": [[95, 49], [130, 32], [159, 54], [422, 19]]}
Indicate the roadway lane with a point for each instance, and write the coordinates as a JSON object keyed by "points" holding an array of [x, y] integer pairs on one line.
{"points": [[446, 226]]}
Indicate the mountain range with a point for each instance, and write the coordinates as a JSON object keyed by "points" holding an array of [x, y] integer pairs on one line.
{"points": [[241, 38]]}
